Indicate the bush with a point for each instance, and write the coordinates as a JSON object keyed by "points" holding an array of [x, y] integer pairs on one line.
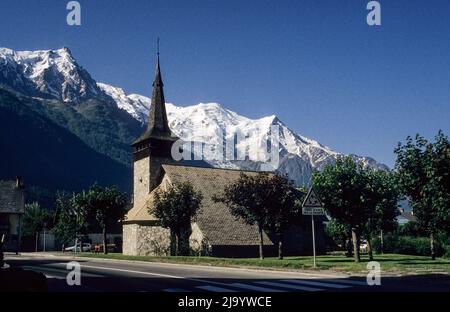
{"points": [[416, 246], [447, 251]]}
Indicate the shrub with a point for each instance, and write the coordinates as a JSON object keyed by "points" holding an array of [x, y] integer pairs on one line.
{"points": [[416, 246], [447, 251]]}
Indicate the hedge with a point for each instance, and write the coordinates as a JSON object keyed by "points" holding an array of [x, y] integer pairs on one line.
{"points": [[407, 245]]}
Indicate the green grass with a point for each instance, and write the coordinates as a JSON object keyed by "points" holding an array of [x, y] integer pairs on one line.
{"points": [[390, 263]]}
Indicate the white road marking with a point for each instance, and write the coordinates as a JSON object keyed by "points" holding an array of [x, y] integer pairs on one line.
{"points": [[346, 281], [290, 286], [54, 277], [255, 288], [215, 288], [61, 271], [176, 290], [312, 283]]}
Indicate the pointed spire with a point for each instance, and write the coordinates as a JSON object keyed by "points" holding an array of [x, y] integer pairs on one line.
{"points": [[158, 126]]}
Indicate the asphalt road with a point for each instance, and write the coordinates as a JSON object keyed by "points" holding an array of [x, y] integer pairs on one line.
{"points": [[102, 275]]}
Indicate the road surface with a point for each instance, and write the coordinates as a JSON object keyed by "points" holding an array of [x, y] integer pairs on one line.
{"points": [[103, 275]]}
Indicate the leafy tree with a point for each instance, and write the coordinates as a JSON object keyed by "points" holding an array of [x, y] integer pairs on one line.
{"points": [[410, 229], [338, 232], [107, 205], [176, 208], [343, 191], [283, 207], [423, 170], [382, 198], [71, 216], [35, 220], [269, 201]]}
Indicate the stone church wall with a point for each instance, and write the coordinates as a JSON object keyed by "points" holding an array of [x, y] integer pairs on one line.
{"points": [[153, 240]]}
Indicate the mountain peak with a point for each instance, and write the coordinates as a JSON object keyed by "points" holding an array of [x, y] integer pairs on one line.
{"points": [[53, 74]]}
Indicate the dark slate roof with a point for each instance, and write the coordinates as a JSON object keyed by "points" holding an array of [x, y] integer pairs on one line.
{"points": [[11, 197], [407, 215], [215, 221], [158, 127]]}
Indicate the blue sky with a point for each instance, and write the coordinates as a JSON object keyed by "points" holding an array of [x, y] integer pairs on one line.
{"points": [[316, 63]]}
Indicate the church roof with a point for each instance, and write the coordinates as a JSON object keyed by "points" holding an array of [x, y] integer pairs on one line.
{"points": [[157, 127], [215, 221], [11, 197]]}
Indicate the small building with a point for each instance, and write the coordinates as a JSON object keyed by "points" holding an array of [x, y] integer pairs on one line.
{"points": [[12, 208], [405, 217], [215, 232]]}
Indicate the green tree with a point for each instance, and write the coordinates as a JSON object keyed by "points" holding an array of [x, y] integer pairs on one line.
{"points": [[382, 200], [423, 170], [342, 188], [107, 205], [338, 232], [35, 220], [283, 207], [269, 201], [176, 208], [71, 217]]}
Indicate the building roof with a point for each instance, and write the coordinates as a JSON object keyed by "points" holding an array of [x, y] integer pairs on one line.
{"points": [[406, 216], [11, 197], [215, 221], [158, 127]]}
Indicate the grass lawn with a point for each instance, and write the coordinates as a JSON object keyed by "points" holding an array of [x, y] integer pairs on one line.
{"points": [[392, 263]]}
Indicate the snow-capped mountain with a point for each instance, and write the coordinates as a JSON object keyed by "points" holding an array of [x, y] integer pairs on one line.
{"points": [[136, 105], [52, 74], [211, 123], [55, 74]]}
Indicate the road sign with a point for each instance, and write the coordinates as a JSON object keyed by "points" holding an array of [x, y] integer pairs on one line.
{"points": [[312, 206], [310, 211], [312, 200]]}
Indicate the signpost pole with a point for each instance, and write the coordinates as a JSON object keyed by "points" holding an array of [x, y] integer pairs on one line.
{"points": [[312, 206], [314, 239]]}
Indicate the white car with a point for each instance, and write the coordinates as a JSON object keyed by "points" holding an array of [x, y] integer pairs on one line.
{"points": [[363, 246], [86, 247]]}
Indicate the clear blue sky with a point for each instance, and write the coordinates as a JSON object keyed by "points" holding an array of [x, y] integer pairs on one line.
{"points": [[316, 64]]}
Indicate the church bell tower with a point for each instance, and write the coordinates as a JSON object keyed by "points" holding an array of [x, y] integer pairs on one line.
{"points": [[153, 147]]}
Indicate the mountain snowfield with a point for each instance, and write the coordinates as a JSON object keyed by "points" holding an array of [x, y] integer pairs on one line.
{"points": [[210, 123], [47, 74], [55, 74]]}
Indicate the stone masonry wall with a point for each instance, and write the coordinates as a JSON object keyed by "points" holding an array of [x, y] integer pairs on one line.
{"points": [[151, 240]]}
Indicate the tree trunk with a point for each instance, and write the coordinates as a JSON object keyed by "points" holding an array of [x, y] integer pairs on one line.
{"points": [[381, 242], [280, 246], [349, 247], [369, 247], [105, 247], [355, 239], [433, 254], [177, 242], [261, 242], [36, 241]]}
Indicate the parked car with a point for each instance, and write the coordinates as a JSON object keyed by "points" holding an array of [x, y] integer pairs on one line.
{"points": [[99, 248], [86, 247], [363, 247]]}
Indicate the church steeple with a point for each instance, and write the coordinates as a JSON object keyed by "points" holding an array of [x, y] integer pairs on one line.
{"points": [[157, 127], [154, 147]]}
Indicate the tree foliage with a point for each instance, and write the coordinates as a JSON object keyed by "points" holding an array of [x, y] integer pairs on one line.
{"points": [[106, 205], [35, 219], [424, 169], [176, 207], [269, 201], [361, 200], [71, 220]]}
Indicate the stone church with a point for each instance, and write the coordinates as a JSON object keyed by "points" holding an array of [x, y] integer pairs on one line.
{"points": [[215, 231]]}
